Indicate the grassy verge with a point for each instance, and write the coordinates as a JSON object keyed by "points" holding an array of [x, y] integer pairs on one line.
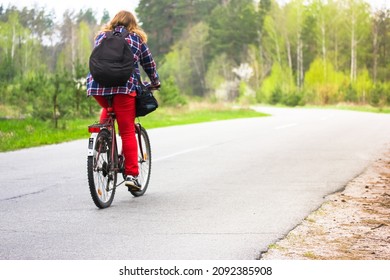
{"points": [[18, 134]]}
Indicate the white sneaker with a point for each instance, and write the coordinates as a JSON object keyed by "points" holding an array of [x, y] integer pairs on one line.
{"points": [[132, 183]]}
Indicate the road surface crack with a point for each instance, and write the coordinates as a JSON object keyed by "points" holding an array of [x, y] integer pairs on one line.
{"points": [[23, 195]]}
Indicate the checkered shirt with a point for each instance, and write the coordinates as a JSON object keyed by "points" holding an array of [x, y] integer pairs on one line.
{"points": [[142, 56]]}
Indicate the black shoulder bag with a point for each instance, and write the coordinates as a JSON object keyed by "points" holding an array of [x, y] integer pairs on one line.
{"points": [[145, 101]]}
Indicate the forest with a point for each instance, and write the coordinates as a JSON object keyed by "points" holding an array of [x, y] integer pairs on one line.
{"points": [[317, 52]]}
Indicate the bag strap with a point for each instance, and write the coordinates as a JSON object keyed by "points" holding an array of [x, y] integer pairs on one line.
{"points": [[140, 81], [124, 33]]}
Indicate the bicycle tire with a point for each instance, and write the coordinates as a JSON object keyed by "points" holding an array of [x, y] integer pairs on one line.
{"points": [[144, 162], [102, 181]]}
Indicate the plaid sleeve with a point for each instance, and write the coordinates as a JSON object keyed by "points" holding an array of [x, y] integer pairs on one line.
{"points": [[148, 64], [143, 56], [99, 38]]}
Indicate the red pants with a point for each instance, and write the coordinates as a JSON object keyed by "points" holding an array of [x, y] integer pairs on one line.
{"points": [[124, 108]]}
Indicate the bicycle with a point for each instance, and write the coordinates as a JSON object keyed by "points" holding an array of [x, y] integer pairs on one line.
{"points": [[104, 163]]}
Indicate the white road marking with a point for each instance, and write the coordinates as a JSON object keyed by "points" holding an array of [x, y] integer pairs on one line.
{"points": [[181, 153], [326, 117], [286, 126]]}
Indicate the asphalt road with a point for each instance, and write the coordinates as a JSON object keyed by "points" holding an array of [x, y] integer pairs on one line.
{"points": [[220, 190]]}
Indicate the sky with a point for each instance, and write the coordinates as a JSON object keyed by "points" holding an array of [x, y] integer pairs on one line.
{"points": [[60, 6], [113, 6]]}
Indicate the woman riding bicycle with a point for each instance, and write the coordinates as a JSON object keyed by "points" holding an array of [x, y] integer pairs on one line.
{"points": [[124, 101]]}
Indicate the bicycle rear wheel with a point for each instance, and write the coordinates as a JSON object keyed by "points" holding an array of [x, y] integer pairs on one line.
{"points": [[102, 181], [144, 160]]}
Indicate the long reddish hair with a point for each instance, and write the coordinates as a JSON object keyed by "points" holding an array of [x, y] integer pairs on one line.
{"points": [[128, 20]]}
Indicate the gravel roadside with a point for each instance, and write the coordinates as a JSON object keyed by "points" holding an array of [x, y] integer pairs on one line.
{"points": [[350, 225]]}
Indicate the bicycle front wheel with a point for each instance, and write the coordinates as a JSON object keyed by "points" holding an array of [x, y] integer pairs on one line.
{"points": [[144, 160], [102, 180]]}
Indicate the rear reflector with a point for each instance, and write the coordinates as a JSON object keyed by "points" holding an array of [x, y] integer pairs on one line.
{"points": [[93, 129]]}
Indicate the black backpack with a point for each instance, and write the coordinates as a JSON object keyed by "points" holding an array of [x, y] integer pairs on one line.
{"points": [[112, 62]]}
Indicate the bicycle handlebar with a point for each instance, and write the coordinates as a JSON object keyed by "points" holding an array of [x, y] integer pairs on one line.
{"points": [[155, 87]]}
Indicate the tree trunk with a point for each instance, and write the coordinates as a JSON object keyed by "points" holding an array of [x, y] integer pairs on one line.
{"points": [[78, 99], [55, 101], [13, 43], [55, 111], [375, 51], [299, 62], [299, 50], [26, 52], [353, 49], [336, 51], [289, 57], [278, 50], [73, 50], [323, 34]]}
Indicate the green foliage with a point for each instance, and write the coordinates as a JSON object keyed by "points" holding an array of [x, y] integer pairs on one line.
{"points": [[350, 94], [172, 75], [37, 87], [186, 62], [7, 70], [363, 86], [293, 99], [242, 89], [277, 85], [40, 76], [105, 18], [324, 82], [83, 48], [246, 95], [233, 27], [380, 95], [178, 15], [170, 94], [310, 37], [276, 96]]}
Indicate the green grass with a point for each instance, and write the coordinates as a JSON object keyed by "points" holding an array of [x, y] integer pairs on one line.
{"points": [[26, 133], [18, 134]]}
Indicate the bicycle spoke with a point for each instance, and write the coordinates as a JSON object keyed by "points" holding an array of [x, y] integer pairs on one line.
{"points": [[101, 180], [144, 160]]}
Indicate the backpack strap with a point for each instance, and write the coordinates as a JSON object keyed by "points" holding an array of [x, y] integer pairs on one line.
{"points": [[123, 32]]}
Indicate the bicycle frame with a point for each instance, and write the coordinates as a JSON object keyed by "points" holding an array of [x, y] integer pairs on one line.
{"points": [[103, 165], [138, 132], [109, 124]]}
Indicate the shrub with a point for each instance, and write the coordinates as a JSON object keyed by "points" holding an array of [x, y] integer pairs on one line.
{"points": [[350, 94], [276, 96], [377, 95], [293, 99], [170, 94]]}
